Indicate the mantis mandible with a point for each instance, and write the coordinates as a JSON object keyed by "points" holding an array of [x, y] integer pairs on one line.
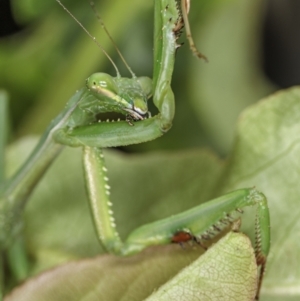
{"points": [[78, 126]]}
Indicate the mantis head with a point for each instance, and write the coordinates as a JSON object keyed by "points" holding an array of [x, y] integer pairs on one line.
{"points": [[123, 95]]}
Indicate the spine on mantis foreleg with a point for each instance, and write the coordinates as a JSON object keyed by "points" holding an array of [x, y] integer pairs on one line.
{"points": [[203, 221], [109, 134], [98, 192], [262, 229], [262, 235]]}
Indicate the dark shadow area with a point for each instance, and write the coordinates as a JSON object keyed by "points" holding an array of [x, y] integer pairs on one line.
{"points": [[281, 42], [8, 26]]}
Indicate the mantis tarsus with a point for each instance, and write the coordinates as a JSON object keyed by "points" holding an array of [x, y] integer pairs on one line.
{"points": [[78, 126]]}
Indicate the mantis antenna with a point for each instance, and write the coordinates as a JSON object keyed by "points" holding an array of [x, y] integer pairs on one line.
{"points": [[94, 39], [92, 4], [185, 8]]}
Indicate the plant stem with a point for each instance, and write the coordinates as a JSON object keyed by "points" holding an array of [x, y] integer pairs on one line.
{"points": [[16, 190]]}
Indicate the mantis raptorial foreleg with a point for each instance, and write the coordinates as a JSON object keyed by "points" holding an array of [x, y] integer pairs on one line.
{"points": [[198, 224]]}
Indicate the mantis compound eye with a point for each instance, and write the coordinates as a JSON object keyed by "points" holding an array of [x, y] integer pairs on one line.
{"points": [[102, 84]]}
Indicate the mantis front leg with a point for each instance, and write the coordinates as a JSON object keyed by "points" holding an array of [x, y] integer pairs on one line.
{"points": [[198, 224], [201, 223]]}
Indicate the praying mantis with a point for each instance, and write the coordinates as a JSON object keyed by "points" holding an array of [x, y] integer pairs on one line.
{"points": [[78, 126]]}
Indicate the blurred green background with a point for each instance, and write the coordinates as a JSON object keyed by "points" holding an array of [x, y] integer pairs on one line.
{"points": [[43, 63]]}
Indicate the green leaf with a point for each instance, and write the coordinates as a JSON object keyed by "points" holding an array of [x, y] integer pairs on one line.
{"points": [[113, 278], [227, 271], [266, 155]]}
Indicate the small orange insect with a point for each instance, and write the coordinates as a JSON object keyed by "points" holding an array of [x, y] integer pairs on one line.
{"points": [[183, 236]]}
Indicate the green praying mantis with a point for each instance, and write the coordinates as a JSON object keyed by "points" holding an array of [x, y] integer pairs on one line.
{"points": [[79, 125]]}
